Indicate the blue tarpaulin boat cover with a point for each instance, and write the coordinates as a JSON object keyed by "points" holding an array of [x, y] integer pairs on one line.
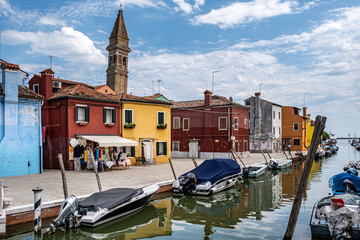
{"points": [[336, 182], [215, 169]]}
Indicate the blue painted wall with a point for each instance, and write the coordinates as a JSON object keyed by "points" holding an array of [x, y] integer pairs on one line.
{"points": [[20, 130]]}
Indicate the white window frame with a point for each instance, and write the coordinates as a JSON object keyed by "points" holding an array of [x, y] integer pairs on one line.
{"points": [[174, 120], [245, 121], [112, 112], [273, 114], [225, 123], [178, 143], [132, 115], [188, 124], [158, 117], [236, 123], [81, 106], [38, 89], [298, 126]]}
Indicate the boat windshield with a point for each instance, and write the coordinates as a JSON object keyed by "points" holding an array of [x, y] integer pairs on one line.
{"points": [[349, 199]]}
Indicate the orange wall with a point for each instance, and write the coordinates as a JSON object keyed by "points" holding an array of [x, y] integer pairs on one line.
{"points": [[288, 119]]}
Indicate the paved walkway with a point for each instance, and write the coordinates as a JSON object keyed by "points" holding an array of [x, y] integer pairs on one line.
{"points": [[84, 182]]}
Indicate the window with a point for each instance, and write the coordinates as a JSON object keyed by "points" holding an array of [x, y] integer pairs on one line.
{"points": [[175, 146], [124, 61], [82, 113], [245, 146], [106, 91], [236, 123], [186, 124], [128, 116], [161, 148], [129, 151], [176, 122], [109, 115], [296, 142], [279, 131], [161, 118], [273, 130], [236, 147], [247, 102], [279, 115], [245, 121], [36, 88], [222, 123], [296, 127], [273, 114]]}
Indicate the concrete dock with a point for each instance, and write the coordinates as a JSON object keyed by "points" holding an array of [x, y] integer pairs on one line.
{"points": [[84, 183]]}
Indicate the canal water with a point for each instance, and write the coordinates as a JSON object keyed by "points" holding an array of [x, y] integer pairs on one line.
{"points": [[255, 209]]}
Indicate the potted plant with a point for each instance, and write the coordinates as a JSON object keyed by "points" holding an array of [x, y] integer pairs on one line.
{"points": [[162, 125], [129, 125]]}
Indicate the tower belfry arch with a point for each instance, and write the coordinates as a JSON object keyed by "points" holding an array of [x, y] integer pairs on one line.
{"points": [[118, 53]]}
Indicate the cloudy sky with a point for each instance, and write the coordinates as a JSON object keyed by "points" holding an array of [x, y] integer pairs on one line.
{"points": [[292, 50]]}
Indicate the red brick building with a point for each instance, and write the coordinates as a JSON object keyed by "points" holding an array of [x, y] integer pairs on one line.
{"points": [[66, 113], [209, 128]]}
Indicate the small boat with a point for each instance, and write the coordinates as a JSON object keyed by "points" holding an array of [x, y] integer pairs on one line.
{"points": [[352, 164], [345, 182], [102, 207], [211, 176], [336, 217], [328, 153], [254, 170], [279, 163]]}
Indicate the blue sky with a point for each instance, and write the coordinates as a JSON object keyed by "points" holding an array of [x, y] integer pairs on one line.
{"points": [[290, 47]]}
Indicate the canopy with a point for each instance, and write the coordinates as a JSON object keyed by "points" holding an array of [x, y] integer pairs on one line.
{"points": [[215, 169], [336, 182], [109, 140]]}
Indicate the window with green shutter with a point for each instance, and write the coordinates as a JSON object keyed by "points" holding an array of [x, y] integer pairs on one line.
{"points": [[161, 117], [128, 116], [161, 148]]}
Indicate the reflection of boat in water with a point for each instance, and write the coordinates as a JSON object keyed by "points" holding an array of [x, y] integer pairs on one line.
{"points": [[211, 176]]}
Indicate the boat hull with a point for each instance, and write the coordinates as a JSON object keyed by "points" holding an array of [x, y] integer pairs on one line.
{"points": [[256, 170]]}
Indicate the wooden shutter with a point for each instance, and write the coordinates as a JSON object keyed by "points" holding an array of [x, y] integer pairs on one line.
{"points": [[87, 115], [113, 116], [165, 148], [157, 148], [76, 113], [104, 115]]}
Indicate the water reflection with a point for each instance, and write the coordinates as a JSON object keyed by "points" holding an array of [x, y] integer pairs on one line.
{"points": [[254, 209]]}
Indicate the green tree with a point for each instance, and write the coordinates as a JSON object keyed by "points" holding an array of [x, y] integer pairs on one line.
{"points": [[325, 136]]}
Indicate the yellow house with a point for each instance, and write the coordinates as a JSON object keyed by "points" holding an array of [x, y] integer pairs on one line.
{"points": [[310, 124], [146, 120]]}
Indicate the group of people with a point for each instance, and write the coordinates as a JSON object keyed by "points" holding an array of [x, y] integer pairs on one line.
{"points": [[122, 160]]}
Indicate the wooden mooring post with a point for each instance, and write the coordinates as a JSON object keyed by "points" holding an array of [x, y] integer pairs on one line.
{"points": [[95, 171], [319, 127], [172, 169], [195, 163], [63, 175]]}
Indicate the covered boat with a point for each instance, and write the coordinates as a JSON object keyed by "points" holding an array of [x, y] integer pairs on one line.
{"points": [[345, 182], [336, 217], [102, 207], [209, 177]]}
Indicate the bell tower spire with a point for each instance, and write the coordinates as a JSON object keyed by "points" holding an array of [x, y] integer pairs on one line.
{"points": [[118, 49]]}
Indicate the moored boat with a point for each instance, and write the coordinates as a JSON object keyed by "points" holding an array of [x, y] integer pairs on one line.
{"points": [[102, 207], [279, 163], [211, 176], [345, 182], [254, 170], [352, 164]]}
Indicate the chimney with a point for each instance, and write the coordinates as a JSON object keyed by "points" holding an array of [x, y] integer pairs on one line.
{"points": [[257, 94], [45, 83], [304, 112], [207, 95]]}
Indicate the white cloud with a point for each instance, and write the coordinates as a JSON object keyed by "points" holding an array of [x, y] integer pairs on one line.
{"points": [[70, 45], [183, 6], [244, 12], [51, 20]]}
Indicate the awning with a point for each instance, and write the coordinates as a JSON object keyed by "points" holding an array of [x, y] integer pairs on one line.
{"points": [[109, 140]]}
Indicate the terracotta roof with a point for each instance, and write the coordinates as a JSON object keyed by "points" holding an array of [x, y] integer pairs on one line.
{"points": [[82, 91], [67, 81], [48, 71], [99, 86], [216, 100], [133, 98], [24, 92], [265, 101]]}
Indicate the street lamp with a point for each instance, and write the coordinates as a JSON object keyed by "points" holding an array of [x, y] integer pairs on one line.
{"points": [[213, 73], [304, 97], [159, 85], [260, 88]]}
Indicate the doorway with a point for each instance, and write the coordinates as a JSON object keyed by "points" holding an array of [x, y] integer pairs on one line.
{"points": [[147, 150], [193, 149]]}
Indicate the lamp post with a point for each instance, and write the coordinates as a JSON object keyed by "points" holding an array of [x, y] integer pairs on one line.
{"points": [[213, 73], [304, 97], [260, 88], [159, 85]]}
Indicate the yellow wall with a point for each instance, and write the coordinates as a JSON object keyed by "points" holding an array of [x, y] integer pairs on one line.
{"points": [[145, 119], [309, 131]]}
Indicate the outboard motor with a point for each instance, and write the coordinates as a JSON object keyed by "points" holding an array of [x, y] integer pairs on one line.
{"points": [[352, 171], [66, 214], [350, 187], [246, 171], [187, 183], [273, 164]]}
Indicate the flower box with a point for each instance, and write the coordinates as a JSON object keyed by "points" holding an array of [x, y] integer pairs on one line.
{"points": [[129, 125], [82, 123], [110, 124], [162, 126]]}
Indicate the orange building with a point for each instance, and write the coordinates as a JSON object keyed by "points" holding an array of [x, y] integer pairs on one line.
{"points": [[294, 128]]}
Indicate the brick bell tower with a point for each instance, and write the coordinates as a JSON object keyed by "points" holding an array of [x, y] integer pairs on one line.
{"points": [[117, 71]]}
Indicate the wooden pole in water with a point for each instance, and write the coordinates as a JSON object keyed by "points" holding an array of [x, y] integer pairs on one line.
{"points": [[285, 154], [319, 127], [268, 154], [95, 171], [63, 176], [172, 168], [195, 163], [264, 156], [238, 157]]}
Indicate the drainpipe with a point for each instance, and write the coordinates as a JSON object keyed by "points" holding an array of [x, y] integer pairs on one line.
{"points": [[66, 134], [41, 145], [121, 108], [229, 129]]}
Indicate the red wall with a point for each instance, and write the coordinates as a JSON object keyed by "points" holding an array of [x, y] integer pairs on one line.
{"points": [[204, 127]]}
